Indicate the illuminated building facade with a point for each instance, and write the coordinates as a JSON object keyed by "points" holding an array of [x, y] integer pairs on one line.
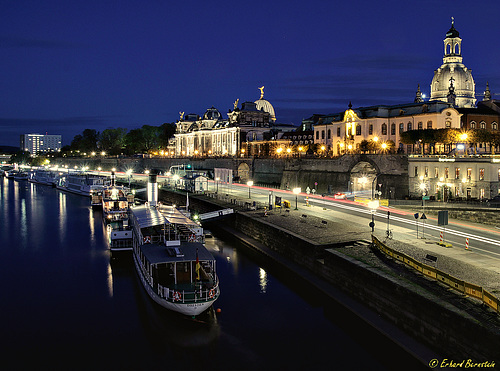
{"points": [[213, 135], [37, 144]]}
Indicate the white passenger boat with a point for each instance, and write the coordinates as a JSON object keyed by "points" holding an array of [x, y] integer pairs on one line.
{"points": [[44, 176], [176, 271], [81, 183], [115, 201]]}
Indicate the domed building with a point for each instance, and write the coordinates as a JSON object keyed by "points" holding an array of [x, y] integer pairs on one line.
{"points": [[264, 105], [453, 82]]}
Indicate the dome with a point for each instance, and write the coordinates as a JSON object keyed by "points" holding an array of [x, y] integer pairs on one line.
{"points": [[452, 32], [462, 80], [265, 106], [212, 114]]}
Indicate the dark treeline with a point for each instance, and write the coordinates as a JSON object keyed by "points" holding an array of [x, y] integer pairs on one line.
{"points": [[117, 141]]}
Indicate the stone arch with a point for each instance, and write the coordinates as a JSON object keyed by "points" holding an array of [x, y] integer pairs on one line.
{"points": [[361, 177], [244, 172]]}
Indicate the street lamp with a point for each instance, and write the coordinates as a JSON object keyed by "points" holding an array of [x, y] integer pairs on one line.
{"points": [[249, 184], [296, 191]]}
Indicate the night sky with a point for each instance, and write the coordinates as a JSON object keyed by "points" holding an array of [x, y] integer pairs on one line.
{"points": [[72, 65]]}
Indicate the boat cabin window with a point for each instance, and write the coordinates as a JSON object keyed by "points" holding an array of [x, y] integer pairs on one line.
{"points": [[164, 274], [183, 273]]}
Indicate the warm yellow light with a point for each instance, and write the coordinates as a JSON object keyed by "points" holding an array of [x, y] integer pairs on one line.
{"points": [[301, 149], [341, 145], [297, 190], [384, 145], [103, 153], [349, 146], [422, 186], [250, 183], [373, 204], [279, 150], [209, 151], [243, 150], [323, 148], [421, 177], [196, 152], [162, 152], [375, 139], [288, 150], [463, 136], [93, 153]]}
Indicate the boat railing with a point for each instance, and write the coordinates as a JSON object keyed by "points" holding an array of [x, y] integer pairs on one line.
{"points": [[200, 294]]}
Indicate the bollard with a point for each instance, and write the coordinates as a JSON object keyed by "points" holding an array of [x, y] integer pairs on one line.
{"points": [[441, 237], [467, 243]]}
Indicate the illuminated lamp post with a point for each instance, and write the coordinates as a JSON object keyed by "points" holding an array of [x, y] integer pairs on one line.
{"points": [[296, 191], [288, 151], [249, 184], [278, 151]]}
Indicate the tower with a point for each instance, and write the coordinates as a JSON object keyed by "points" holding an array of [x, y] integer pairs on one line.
{"points": [[453, 76]]}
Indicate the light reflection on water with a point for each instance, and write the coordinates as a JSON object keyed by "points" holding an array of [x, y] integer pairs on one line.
{"points": [[262, 280]]}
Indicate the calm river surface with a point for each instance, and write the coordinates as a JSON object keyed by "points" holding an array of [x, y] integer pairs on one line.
{"points": [[66, 305]]}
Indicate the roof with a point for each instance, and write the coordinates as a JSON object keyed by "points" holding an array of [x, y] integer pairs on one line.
{"points": [[147, 216], [156, 254]]}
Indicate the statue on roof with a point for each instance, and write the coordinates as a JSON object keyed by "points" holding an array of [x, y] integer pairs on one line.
{"points": [[182, 115], [235, 104], [261, 92]]}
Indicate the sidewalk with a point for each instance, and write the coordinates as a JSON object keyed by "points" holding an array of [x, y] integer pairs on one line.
{"points": [[335, 227]]}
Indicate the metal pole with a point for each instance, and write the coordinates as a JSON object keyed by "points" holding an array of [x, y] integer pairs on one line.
{"points": [[296, 196], [249, 191]]}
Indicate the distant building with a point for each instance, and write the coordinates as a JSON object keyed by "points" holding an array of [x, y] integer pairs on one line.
{"points": [[213, 135], [39, 144]]}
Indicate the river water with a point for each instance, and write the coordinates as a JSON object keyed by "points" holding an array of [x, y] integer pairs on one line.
{"points": [[65, 305]]}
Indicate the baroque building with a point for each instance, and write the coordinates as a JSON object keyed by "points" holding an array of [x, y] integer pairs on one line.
{"points": [[452, 105], [214, 135]]}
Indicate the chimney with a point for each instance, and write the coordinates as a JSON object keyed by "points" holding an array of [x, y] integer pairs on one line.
{"points": [[152, 190]]}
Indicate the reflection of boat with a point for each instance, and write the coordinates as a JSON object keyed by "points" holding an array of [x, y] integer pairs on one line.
{"points": [[42, 176], [80, 183], [177, 272]]}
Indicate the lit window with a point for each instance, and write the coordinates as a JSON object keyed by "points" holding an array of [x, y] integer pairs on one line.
{"points": [[481, 174]]}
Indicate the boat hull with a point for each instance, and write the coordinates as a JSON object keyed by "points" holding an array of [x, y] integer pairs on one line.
{"points": [[188, 309]]}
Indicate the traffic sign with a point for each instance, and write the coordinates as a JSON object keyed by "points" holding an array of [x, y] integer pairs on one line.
{"points": [[423, 216], [415, 215], [426, 198]]}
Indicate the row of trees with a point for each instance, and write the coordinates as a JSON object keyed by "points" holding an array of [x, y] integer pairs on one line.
{"points": [[116, 141], [450, 136]]}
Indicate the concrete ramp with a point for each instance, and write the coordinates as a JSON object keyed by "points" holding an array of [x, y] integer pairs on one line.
{"points": [[215, 214]]}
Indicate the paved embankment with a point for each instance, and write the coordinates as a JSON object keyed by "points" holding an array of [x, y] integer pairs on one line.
{"points": [[451, 324]]}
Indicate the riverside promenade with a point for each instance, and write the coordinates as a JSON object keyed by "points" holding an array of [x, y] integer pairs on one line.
{"points": [[346, 236]]}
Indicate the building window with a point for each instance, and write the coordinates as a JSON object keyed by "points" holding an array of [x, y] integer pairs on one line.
{"points": [[446, 173], [436, 172], [481, 174], [384, 129], [416, 171], [358, 129], [472, 124], [482, 125], [494, 125], [317, 135], [447, 124], [329, 134], [393, 129], [426, 172], [420, 126], [322, 134], [481, 193], [338, 131], [408, 126], [469, 173], [409, 148], [457, 173], [429, 124], [370, 129], [401, 128]]}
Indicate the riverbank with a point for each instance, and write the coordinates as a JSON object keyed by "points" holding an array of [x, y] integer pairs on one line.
{"points": [[337, 253]]}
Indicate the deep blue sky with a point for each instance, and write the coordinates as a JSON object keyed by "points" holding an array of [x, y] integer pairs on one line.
{"points": [[72, 65]]}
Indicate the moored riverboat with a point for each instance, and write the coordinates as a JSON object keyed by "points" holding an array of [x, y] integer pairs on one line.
{"points": [[81, 183], [176, 270], [44, 176]]}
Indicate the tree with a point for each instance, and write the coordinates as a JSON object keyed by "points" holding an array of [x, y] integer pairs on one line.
{"points": [[166, 132], [113, 140], [21, 158]]}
